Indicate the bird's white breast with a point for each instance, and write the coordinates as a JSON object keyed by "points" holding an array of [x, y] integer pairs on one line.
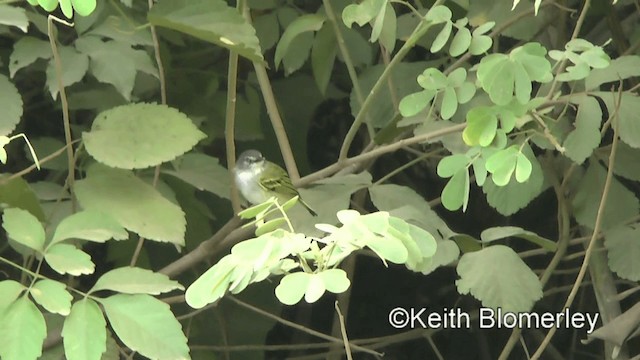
{"points": [[249, 186]]}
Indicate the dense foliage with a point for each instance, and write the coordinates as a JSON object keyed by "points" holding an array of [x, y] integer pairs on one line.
{"points": [[124, 236]]}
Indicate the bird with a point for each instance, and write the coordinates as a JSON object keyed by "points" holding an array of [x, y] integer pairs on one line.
{"points": [[259, 179]]}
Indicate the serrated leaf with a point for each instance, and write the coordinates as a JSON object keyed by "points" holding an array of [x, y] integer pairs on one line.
{"points": [[53, 296], [146, 325], [209, 20], [17, 193], [67, 259], [74, 67], [140, 135], [623, 249], [303, 24], [621, 68], [203, 172], [135, 204], [11, 105], [627, 115], [22, 331], [24, 228], [498, 277], [621, 205], [132, 280], [581, 142], [84, 331], [89, 225]]}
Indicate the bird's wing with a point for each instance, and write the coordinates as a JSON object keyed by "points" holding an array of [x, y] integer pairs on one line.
{"points": [[276, 179]]}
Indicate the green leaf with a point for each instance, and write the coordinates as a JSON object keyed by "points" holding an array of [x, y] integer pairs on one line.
{"points": [[388, 29], [335, 280], [480, 44], [74, 66], [146, 135], [24, 228], [10, 290], [293, 287], [439, 14], [450, 165], [53, 296], [498, 277], [412, 104], [523, 168], [581, 142], [303, 24], [146, 325], [267, 30], [67, 259], [432, 79], [501, 232], [623, 249], [627, 115], [461, 42], [11, 105], [132, 280], [456, 193], [135, 204], [514, 196], [323, 56], [22, 331], [449, 103], [89, 225], [621, 68], [16, 193], [362, 13], [502, 165], [482, 124], [209, 20], [114, 62], [84, 7], [14, 16], [211, 285], [203, 172], [621, 204], [84, 332], [270, 226], [298, 52], [25, 52], [447, 251], [625, 163], [442, 38]]}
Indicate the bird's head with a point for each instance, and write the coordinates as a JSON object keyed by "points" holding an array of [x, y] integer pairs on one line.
{"points": [[250, 160]]}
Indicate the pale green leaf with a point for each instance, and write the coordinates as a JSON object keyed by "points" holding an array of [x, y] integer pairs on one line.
{"points": [[89, 225], [14, 16], [10, 290], [439, 14], [123, 30], [22, 331], [498, 277], [623, 250], [146, 325], [363, 12], [303, 24], [621, 205], [203, 172], [293, 287], [627, 115], [501, 232], [53, 296], [67, 259], [211, 285], [449, 165], [298, 52], [323, 56], [447, 251], [523, 168], [456, 193], [482, 124], [84, 332], [26, 51], [74, 67], [412, 104], [135, 204], [11, 105], [480, 44], [449, 103], [146, 135], [621, 68], [388, 29], [209, 20], [442, 38], [132, 280], [335, 280], [84, 7], [24, 228], [581, 142], [460, 43], [626, 161]]}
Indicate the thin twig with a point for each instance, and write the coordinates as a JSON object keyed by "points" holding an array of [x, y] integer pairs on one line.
{"points": [[300, 327], [343, 330], [596, 229], [34, 166], [156, 50], [65, 106]]}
